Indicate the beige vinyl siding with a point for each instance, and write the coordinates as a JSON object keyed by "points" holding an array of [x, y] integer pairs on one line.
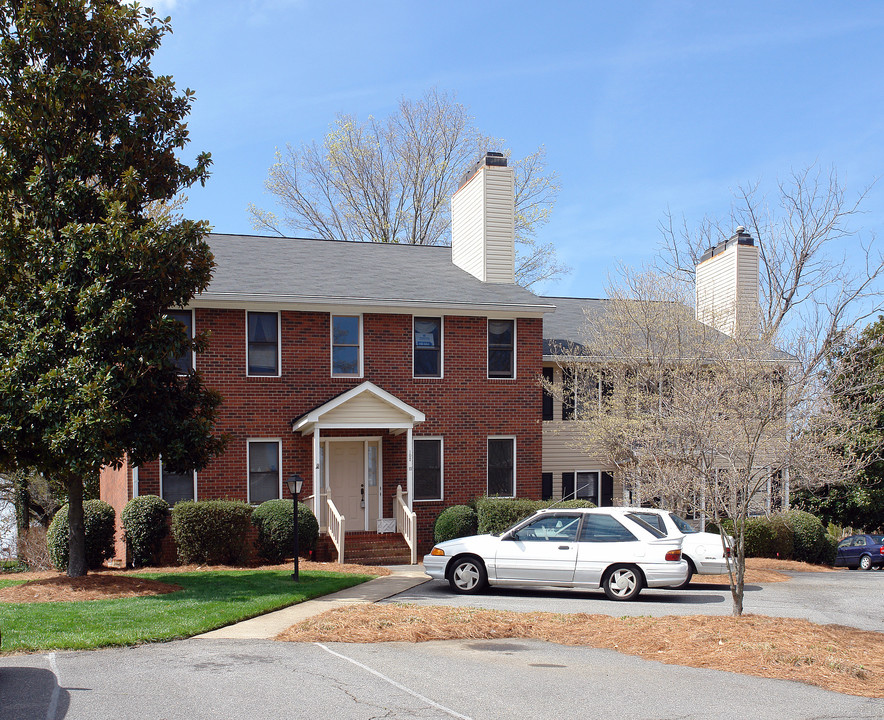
{"points": [[727, 288], [364, 408], [747, 283], [467, 228], [483, 225], [499, 225]]}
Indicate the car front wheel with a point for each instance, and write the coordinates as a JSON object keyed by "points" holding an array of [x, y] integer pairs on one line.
{"points": [[622, 583], [468, 576], [865, 563]]}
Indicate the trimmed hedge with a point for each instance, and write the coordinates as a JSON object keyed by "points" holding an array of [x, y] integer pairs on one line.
{"points": [[759, 538], [497, 514], [144, 527], [211, 532], [455, 522], [276, 531], [98, 519], [810, 539]]}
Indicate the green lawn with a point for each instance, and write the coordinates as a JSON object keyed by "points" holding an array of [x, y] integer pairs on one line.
{"points": [[207, 601]]}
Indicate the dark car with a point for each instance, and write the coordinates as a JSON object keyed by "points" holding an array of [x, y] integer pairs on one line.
{"points": [[861, 551]]}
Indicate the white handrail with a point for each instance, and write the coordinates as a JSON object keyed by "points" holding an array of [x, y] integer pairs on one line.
{"points": [[406, 523], [336, 523]]}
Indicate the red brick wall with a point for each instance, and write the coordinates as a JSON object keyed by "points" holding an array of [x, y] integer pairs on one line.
{"points": [[115, 489], [464, 407]]}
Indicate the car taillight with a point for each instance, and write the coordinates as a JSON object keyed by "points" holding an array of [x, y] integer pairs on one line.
{"points": [[881, 549], [673, 555], [727, 552]]}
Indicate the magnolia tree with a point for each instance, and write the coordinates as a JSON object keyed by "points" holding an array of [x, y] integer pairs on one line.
{"points": [[722, 424], [391, 180], [89, 143]]}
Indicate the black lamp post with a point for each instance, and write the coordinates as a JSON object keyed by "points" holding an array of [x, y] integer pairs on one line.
{"points": [[295, 482]]}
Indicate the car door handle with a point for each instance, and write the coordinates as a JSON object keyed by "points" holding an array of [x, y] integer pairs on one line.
{"points": [[564, 547]]}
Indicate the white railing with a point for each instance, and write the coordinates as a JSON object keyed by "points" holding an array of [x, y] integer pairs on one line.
{"points": [[336, 528], [406, 523]]}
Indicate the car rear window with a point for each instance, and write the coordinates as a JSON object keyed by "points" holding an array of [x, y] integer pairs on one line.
{"points": [[877, 539], [646, 526], [682, 524]]}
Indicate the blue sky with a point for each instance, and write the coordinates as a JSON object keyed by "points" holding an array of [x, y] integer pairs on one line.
{"points": [[643, 107]]}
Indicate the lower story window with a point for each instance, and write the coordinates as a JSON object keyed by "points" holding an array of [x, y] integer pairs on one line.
{"points": [[176, 487], [263, 470], [428, 469], [502, 467]]}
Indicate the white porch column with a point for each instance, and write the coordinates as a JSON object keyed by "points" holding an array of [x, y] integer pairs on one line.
{"points": [[317, 481], [409, 468], [786, 489]]}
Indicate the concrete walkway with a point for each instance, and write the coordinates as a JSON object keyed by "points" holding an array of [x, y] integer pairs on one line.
{"points": [[267, 627]]}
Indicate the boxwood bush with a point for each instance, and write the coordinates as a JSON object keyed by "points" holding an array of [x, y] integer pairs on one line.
{"points": [[496, 514], [276, 531], [784, 542], [759, 537], [144, 527], [455, 522], [211, 532], [98, 518]]}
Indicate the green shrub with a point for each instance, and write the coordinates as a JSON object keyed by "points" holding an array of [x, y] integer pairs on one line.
{"points": [[759, 537], [497, 514], [571, 504], [276, 531], [144, 527], [727, 523], [455, 522], [211, 532], [98, 519], [809, 537], [784, 542]]}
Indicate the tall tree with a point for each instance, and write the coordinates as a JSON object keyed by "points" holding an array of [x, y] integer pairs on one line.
{"points": [[88, 142], [391, 179]]}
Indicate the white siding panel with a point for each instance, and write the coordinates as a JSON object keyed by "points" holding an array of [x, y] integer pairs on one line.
{"points": [[365, 408], [468, 228]]}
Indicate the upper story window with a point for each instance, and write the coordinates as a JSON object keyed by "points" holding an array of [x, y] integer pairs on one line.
{"points": [[184, 363], [263, 343], [547, 396], [428, 347], [346, 342], [501, 348], [585, 391]]}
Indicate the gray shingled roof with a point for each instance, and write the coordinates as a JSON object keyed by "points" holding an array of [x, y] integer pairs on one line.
{"points": [[298, 270], [566, 325]]}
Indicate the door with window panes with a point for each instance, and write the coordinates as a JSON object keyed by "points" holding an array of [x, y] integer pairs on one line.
{"points": [[543, 551]]}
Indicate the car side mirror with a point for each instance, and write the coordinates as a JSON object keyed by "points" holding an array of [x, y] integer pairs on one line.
{"points": [[510, 536]]}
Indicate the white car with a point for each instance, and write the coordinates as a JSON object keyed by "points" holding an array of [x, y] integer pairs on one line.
{"points": [[703, 551], [583, 548]]}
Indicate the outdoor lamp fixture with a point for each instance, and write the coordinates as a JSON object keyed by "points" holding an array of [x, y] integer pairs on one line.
{"points": [[295, 482]]}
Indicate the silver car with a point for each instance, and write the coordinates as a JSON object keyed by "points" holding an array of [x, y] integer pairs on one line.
{"points": [[584, 548]]}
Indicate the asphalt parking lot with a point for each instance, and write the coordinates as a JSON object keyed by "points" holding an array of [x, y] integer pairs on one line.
{"points": [[843, 597]]}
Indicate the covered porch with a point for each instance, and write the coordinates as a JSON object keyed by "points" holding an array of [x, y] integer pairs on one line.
{"points": [[355, 436]]}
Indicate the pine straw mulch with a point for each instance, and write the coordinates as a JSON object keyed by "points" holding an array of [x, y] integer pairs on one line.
{"points": [[832, 657], [106, 584]]}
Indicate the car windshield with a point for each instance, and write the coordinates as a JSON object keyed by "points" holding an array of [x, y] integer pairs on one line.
{"points": [[682, 525]]}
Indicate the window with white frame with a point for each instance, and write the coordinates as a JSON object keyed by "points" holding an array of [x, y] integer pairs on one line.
{"points": [[264, 470], [428, 347], [263, 343], [502, 466], [346, 343], [501, 348], [184, 362], [175, 487], [427, 468]]}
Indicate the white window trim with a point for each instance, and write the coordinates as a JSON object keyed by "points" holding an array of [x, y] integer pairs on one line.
{"points": [[331, 345], [192, 335], [488, 464], [249, 442], [441, 440], [515, 323], [278, 343], [441, 374], [598, 484], [161, 481]]}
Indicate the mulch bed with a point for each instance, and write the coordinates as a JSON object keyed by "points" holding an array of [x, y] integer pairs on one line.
{"points": [[833, 657]]}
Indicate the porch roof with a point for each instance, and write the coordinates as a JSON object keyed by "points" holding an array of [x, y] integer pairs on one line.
{"points": [[365, 406]]}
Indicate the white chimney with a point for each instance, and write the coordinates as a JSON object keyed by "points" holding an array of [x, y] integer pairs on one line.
{"points": [[727, 285], [483, 221]]}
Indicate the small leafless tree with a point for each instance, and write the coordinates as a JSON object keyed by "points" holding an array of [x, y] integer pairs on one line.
{"points": [[714, 423], [391, 180]]}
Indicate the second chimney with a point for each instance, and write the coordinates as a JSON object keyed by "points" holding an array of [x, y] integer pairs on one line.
{"points": [[483, 221], [727, 285]]}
